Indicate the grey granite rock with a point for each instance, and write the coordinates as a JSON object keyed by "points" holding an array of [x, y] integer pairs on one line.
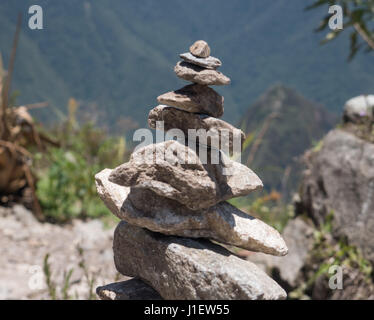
{"points": [[219, 133], [190, 72], [182, 268], [222, 222], [177, 172], [339, 179], [195, 98], [200, 49], [209, 62], [133, 289]]}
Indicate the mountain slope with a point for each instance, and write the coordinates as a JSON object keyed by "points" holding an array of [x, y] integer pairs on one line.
{"points": [[284, 124], [120, 54]]}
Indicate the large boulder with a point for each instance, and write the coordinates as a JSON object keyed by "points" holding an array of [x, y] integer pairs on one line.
{"points": [[177, 172], [183, 268], [222, 222], [339, 180]]}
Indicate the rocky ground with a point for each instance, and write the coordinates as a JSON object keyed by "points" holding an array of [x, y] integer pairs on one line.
{"points": [[84, 247]]}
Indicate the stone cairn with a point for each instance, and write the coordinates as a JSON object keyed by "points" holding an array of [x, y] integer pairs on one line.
{"points": [[172, 210]]}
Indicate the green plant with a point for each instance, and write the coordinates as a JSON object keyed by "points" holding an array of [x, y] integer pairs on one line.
{"points": [[90, 278], [317, 145], [66, 190], [358, 17], [58, 292], [65, 288], [66, 185], [48, 278], [51, 285], [268, 208]]}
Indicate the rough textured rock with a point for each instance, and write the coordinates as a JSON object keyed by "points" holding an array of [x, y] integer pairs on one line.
{"points": [[218, 129], [359, 109], [133, 289], [209, 62], [195, 98], [182, 268], [190, 72], [25, 242], [177, 172], [223, 222], [299, 238], [200, 49], [340, 179]]}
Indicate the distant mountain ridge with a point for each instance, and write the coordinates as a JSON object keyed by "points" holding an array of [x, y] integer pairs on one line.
{"points": [[119, 55], [284, 125]]}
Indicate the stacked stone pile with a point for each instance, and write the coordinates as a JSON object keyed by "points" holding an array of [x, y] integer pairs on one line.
{"points": [[171, 198]]}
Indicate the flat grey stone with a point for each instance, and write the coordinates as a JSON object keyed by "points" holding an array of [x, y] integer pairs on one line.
{"points": [[221, 133], [177, 172], [190, 72], [183, 268], [223, 222], [209, 62], [195, 98], [133, 289]]}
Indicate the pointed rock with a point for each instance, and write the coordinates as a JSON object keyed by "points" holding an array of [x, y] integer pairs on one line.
{"points": [[222, 222], [195, 98], [200, 49], [190, 72], [209, 62], [182, 268], [175, 171], [219, 133]]}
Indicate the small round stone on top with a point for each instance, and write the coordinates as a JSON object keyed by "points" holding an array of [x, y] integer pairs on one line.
{"points": [[200, 49]]}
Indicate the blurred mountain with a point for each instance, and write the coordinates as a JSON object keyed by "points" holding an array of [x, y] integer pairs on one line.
{"points": [[119, 55], [280, 126]]}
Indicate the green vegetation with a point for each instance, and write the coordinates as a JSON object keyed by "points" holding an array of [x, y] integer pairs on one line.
{"points": [[267, 207], [62, 291], [317, 146], [51, 285], [66, 186], [358, 18], [363, 130], [90, 278]]}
